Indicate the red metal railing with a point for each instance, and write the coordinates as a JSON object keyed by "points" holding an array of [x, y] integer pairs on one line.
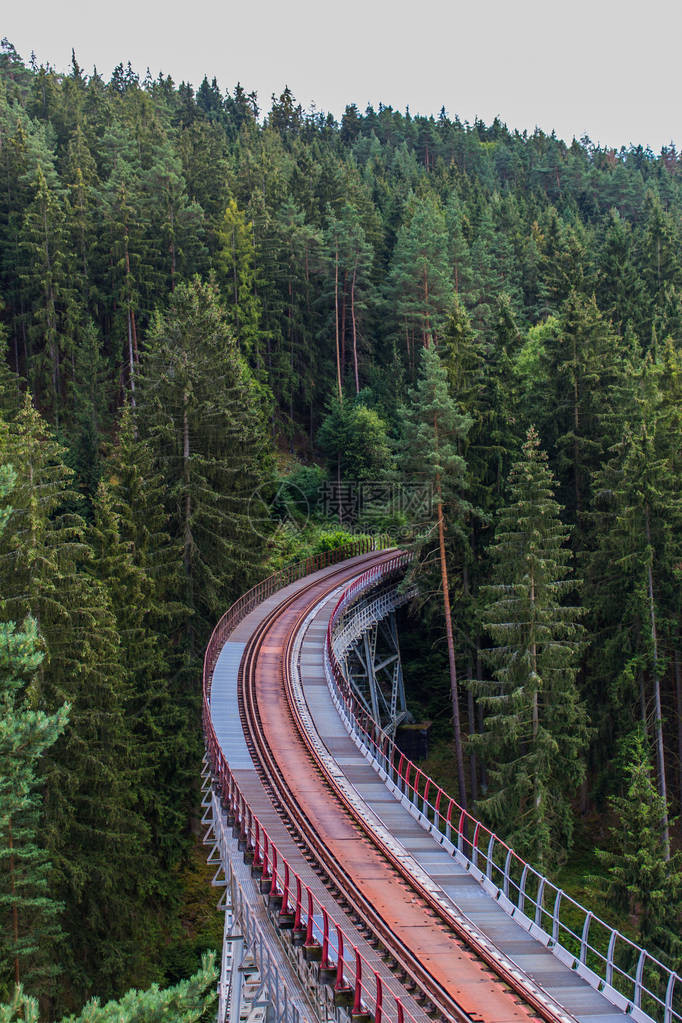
{"points": [[637, 982], [322, 936]]}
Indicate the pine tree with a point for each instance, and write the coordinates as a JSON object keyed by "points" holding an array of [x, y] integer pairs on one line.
{"points": [[641, 882], [202, 413], [535, 724], [186, 1002], [433, 429], [29, 912]]}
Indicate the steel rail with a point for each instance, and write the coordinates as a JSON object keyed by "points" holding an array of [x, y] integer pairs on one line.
{"points": [[277, 877], [540, 1002], [276, 781]]}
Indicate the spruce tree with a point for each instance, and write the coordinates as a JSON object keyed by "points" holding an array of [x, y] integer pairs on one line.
{"points": [[620, 290], [535, 726], [420, 282], [171, 217], [143, 567], [638, 514], [586, 404], [29, 912], [235, 264], [45, 277], [96, 839], [434, 427], [642, 883], [201, 411]]}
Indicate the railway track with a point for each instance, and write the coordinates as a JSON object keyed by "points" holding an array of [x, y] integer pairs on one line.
{"points": [[462, 980]]}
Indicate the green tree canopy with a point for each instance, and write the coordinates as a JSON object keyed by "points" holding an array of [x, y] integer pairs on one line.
{"points": [[535, 724]]}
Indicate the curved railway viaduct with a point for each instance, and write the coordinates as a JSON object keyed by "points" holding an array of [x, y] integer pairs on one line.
{"points": [[354, 888]]}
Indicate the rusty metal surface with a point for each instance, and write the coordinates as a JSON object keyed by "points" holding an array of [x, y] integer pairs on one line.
{"points": [[224, 711], [454, 969]]}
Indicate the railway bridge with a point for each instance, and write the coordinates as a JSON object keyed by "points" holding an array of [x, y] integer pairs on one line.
{"points": [[354, 887]]}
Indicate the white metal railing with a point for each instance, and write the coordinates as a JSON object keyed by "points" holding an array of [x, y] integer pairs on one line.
{"points": [[628, 976]]}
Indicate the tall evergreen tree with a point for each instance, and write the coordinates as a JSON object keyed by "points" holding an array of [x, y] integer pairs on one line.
{"points": [[235, 265], [535, 726], [433, 429], [135, 554], [97, 841], [584, 363], [202, 413], [30, 928], [45, 277], [641, 882], [638, 546], [420, 280]]}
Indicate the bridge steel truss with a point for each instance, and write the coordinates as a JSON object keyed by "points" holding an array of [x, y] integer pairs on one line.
{"points": [[366, 645]]}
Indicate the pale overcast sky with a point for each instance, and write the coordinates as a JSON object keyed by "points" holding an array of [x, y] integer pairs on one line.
{"points": [[606, 68]]}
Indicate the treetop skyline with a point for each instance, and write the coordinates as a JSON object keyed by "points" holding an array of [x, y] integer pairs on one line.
{"points": [[527, 63]]}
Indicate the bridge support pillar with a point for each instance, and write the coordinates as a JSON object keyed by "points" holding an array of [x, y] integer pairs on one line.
{"points": [[372, 665]]}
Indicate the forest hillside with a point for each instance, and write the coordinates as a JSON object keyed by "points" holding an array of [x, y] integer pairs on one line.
{"points": [[230, 337]]}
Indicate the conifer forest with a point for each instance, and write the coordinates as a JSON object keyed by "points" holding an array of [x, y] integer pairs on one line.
{"points": [[233, 336]]}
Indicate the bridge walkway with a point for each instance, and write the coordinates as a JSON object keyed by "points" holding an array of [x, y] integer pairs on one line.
{"points": [[564, 985]]}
